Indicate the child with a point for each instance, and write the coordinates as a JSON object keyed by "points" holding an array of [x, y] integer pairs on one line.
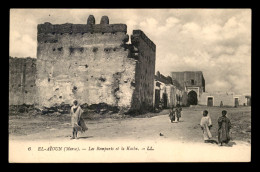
{"points": [[224, 125], [206, 124]]}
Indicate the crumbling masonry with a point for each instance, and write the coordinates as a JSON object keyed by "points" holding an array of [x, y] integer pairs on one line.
{"points": [[94, 64], [22, 77]]}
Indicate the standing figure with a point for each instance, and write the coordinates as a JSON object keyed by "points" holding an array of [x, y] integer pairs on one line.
{"points": [[178, 112], [206, 124], [161, 105], [172, 114], [224, 126], [77, 122], [221, 104]]}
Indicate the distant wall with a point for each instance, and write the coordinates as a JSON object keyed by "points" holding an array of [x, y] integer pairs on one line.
{"points": [[228, 99], [22, 78], [184, 78]]}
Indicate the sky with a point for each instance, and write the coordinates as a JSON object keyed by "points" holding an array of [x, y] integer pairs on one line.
{"points": [[214, 41]]}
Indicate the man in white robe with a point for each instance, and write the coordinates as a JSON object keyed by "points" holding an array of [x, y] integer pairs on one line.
{"points": [[77, 122], [206, 124]]}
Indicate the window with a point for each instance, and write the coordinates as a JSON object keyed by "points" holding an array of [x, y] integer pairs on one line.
{"points": [[95, 49], [192, 82]]}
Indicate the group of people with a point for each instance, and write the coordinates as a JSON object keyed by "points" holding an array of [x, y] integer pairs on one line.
{"points": [[175, 114], [224, 126]]}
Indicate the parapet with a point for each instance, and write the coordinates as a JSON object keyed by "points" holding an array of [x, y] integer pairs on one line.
{"points": [[104, 20], [22, 58], [90, 27], [15, 62], [144, 37], [91, 20]]}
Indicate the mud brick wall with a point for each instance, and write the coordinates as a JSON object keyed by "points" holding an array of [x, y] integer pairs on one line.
{"points": [[22, 78], [145, 70], [90, 63], [228, 99], [170, 95]]}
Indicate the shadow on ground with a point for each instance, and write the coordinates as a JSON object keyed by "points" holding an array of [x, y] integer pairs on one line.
{"points": [[86, 137], [230, 144]]}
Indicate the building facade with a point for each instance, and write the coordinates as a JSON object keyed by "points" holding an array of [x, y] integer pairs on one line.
{"points": [[193, 83], [224, 99], [167, 92]]}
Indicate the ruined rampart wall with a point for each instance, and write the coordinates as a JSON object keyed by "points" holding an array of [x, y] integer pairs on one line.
{"points": [[145, 70], [85, 62], [22, 77], [91, 63]]}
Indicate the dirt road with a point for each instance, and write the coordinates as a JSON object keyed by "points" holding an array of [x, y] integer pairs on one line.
{"points": [[183, 139]]}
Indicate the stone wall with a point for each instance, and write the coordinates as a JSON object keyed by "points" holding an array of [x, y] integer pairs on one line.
{"points": [[145, 70], [22, 77], [93, 64]]}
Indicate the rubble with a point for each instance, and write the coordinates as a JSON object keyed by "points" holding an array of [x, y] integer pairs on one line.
{"points": [[59, 109], [20, 109], [103, 108]]}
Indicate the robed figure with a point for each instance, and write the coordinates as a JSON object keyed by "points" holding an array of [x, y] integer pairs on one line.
{"points": [[224, 126], [206, 124], [77, 121]]}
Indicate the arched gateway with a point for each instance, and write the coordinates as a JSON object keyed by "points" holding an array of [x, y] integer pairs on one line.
{"points": [[192, 98]]}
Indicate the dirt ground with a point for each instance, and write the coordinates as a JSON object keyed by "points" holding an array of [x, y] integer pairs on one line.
{"points": [[148, 126], [174, 142]]}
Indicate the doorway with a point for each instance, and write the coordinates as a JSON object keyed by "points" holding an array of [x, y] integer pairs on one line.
{"points": [[165, 100], [157, 98], [210, 101], [192, 98], [236, 102]]}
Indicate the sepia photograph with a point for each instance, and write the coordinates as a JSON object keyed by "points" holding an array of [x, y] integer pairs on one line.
{"points": [[129, 85]]}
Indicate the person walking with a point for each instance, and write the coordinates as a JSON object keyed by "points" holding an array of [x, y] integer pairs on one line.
{"points": [[172, 114], [178, 112]]}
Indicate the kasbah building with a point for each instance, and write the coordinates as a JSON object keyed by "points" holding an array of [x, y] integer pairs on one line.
{"points": [[95, 64]]}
